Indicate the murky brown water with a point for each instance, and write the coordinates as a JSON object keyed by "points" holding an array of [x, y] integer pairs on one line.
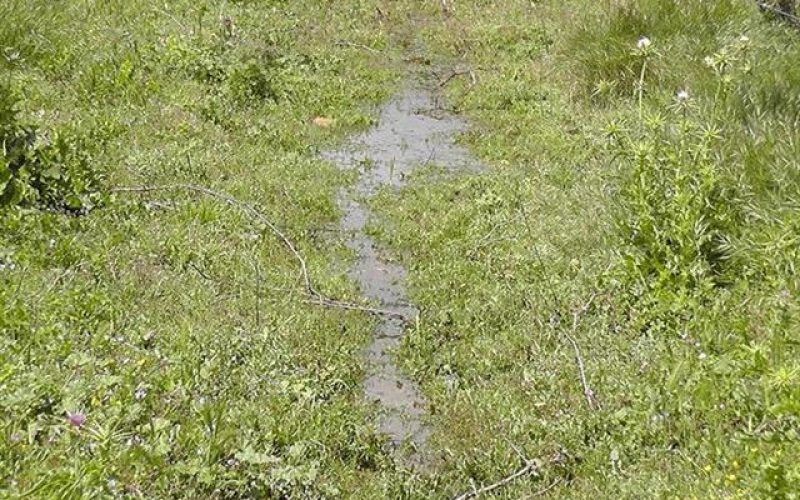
{"points": [[410, 133]]}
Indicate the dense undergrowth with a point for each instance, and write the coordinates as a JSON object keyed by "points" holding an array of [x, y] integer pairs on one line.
{"points": [[641, 202]]}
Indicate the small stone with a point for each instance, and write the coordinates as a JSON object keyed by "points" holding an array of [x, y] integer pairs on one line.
{"points": [[322, 121]]}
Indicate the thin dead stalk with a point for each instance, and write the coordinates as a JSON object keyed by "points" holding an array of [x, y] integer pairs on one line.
{"points": [[591, 399], [784, 10], [548, 488], [530, 467], [315, 297], [461, 72], [355, 307]]}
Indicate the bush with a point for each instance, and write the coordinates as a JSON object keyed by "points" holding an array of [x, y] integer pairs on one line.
{"points": [[674, 219], [250, 81], [46, 170]]}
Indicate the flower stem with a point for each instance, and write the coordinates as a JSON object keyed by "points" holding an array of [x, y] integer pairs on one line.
{"points": [[641, 86]]}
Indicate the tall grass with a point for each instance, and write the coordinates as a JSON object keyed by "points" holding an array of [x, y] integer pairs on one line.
{"points": [[736, 66]]}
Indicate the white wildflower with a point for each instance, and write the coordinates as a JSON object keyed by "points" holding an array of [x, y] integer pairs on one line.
{"points": [[682, 96], [643, 43], [140, 393]]}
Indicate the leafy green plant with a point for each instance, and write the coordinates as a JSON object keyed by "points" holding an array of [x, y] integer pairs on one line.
{"points": [[251, 80], [47, 170], [674, 216], [15, 140]]}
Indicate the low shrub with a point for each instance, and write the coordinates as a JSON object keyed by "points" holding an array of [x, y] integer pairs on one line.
{"points": [[44, 169]]}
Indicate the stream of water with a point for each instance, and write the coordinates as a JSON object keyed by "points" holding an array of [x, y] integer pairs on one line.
{"points": [[410, 132]]}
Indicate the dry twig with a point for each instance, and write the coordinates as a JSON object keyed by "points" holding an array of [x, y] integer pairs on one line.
{"points": [[591, 400], [315, 296], [784, 10], [530, 466], [458, 72], [552, 485]]}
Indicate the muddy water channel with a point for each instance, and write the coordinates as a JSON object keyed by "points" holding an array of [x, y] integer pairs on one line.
{"points": [[410, 132]]}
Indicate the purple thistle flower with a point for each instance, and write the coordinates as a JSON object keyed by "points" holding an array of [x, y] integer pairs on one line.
{"points": [[76, 419]]}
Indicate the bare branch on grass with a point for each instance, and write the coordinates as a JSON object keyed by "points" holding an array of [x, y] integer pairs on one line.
{"points": [[588, 393], [529, 468], [458, 72], [315, 297], [552, 485], [784, 11]]}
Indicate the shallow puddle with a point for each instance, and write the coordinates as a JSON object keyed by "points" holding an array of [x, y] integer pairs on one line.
{"points": [[411, 132]]}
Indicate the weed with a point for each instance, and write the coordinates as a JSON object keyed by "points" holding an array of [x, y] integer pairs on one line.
{"points": [[49, 170], [159, 345]]}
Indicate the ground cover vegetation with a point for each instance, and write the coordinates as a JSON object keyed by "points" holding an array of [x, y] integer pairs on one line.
{"points": [[636, 226], [611, 303], [159, 344]]}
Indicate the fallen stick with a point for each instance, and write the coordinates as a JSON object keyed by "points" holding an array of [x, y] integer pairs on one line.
{"points": [[336, 304], [530, 466], [347, 43], [454, 73], [587, 390], [316, 297], [548, 488], [784, 11]]}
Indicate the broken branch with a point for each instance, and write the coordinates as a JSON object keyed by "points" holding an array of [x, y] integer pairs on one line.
{"points": [[460, 72], [316, 297], [530, 467], [588, 393]]}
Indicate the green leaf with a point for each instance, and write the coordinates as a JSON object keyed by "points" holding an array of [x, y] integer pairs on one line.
{"points": [[5, 174], [51, 172], [12, 194], [248, 455], [73, 201]]}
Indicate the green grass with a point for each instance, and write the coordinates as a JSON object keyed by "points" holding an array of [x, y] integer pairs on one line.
{"points": [[674, 215], [178, 325]]}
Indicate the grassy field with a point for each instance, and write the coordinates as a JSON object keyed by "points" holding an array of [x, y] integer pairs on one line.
{"points": [[641, 208], [172, 321], [614, 300]]}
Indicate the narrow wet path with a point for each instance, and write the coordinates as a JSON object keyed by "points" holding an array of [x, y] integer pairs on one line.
{"points": [[411, 132]]}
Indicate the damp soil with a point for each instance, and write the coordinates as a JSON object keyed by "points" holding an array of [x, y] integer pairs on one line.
{"points": [[411, 132]]}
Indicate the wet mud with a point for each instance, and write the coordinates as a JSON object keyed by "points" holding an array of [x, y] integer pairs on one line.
{"points": [[411, 132]]}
